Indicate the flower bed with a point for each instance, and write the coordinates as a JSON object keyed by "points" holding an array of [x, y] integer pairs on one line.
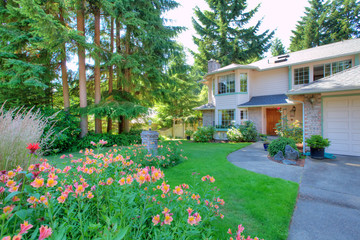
{"points": [[105, 196]]}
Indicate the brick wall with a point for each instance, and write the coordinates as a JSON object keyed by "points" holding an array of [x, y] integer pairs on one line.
{"points": [[208, 118]]}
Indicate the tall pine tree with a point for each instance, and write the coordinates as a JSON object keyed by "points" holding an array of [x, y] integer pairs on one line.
{"points": [[223, 35]]}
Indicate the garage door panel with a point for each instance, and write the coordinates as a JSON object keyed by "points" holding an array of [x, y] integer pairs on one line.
{"points": [[342, 124]]}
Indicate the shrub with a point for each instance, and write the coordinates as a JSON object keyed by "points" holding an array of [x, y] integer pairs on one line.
{"points": [[248, 131], [204, 134], [66, 130], [189, 132], [279, 145], [123, 139], [234, 135], [106, 196], [18, 128], [317, 141], [293, 130], [243, 133]]}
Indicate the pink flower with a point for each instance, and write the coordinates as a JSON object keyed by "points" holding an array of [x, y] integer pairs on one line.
{"points": [[156, 220], [25, 227], [45, 232], [168, 219]]}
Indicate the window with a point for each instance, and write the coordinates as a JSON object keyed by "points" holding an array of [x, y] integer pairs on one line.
{"points": [[325, 70], [301, 75], [243, 115], [226, 117], [243, 82], [226, 84]]}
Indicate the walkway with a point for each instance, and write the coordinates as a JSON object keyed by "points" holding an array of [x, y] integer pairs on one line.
{"points": [[328, 205]]}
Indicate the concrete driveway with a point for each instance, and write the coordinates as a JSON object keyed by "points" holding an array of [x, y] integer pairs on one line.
{"points": [[328, 205]]}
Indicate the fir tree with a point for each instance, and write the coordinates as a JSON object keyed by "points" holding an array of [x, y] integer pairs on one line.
{"points": [[223, 36], [277, 48]]}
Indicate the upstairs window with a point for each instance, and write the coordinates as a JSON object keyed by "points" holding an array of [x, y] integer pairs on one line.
{"points": [[226, 117], [327, 69], [243, 82], [301, 75], [226, 84]]}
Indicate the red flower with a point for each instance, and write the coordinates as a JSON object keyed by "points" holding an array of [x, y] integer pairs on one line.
{"points": [[33, 147]]}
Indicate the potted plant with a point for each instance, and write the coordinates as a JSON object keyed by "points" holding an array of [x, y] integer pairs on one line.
{"points": [[188, 134], [265, 140], [317, 146]]}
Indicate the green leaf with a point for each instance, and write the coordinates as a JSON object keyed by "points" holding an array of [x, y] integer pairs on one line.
{"points": [[23, 214], [121, 233], [11, 195]]}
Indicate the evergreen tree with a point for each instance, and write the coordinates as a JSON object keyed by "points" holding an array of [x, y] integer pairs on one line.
{"points": [[326, 22], [223, 36], [277, 48]]}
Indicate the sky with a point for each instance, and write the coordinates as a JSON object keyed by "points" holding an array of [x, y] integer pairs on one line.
{"points": [[279, 15]]}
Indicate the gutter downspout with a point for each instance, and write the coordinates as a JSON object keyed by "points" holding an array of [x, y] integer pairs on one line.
{"points": [[303, 113]]}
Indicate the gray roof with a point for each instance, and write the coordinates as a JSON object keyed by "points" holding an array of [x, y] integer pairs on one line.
{"points": [[324, 52], [268, 100], [208, 106], [343, 81]]}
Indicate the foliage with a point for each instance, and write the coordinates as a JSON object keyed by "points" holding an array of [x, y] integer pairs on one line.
{"points": [[277, 48], [189, 132], [293, 130], [106, 195], [234, 135], [326, 22], [123, 139], [317, 141], [168, 155], [223, 35], [65, 127], [248, 131], [204, 134], [279, 144], [18, 128], [243, 133]]}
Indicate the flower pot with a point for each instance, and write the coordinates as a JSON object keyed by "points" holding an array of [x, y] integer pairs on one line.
{"points": [[188, 137], [266, 145], [317, 153]]}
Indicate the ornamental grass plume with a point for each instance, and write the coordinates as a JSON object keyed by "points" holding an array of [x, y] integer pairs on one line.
{"points": [[18, 128]]}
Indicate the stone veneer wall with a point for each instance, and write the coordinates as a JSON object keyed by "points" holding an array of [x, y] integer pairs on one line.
{"points": [[255, 115], [312, 115], [208, 117]]}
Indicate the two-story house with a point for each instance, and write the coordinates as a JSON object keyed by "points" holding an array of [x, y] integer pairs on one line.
{"points": [[320, 87]]}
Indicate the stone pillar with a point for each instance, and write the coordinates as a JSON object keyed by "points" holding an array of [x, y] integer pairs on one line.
{"points": [[150, 140]]}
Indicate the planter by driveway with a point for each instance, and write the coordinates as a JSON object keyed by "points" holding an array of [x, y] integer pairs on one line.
{"points": [[328, 205]]}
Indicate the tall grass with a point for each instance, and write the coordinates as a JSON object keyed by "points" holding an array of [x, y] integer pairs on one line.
{"points": [[18, 128]]}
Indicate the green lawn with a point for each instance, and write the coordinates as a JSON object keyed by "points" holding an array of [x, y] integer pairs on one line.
{"points": [[264, 205]]}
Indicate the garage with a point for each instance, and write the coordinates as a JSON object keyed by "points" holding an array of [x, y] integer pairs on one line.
{"points": [[341, 124]]}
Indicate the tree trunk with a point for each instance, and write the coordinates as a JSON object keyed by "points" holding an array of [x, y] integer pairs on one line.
{"points": [[64, 75], [82, 71], [98, 128], [111, 70], [118, 74]]}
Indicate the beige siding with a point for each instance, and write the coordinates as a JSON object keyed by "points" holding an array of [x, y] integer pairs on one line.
{"points": [[208, 118], [255, 115], [269, 82], [226, 101]]}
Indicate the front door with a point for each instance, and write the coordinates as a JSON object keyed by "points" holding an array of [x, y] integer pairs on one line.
{"points": [[273, 116]]}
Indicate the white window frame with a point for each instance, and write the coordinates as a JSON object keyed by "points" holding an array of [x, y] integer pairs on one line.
{"points": [[302, 75], [227, 80], [220, 111], [243, 80], [328, 68], [243, 115]]}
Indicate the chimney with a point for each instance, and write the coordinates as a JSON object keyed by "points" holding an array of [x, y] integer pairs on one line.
{"points": [[213, 65]]}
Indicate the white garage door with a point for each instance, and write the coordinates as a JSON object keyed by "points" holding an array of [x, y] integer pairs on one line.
{"points": [[341, 124]]}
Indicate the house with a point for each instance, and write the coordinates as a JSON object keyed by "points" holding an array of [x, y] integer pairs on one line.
{"points": [[320, 87]]}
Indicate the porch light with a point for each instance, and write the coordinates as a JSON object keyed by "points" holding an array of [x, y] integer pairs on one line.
{"points": [[312, 100], [292, 112]]}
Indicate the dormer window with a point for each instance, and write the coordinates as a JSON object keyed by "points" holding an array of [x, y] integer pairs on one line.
{"points": [[226, 84], [301, 75], [328, 69]]}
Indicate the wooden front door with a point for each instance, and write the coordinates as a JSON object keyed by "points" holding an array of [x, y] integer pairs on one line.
{"points": [[273, 116]]}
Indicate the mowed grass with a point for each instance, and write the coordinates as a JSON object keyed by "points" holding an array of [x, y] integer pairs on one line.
{"points": [[264, 205]]}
